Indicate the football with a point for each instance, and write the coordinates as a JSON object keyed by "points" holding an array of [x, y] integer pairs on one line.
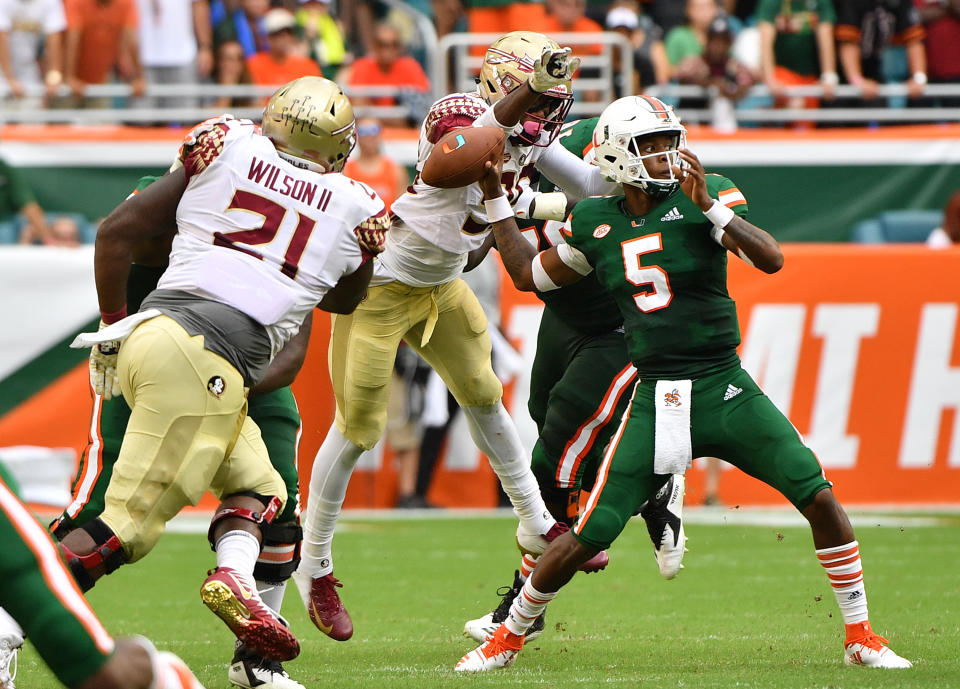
{"points": [[457, 158]]}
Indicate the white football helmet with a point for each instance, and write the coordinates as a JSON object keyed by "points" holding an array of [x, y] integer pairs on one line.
{"points": [[507, 64], [616, 139]]}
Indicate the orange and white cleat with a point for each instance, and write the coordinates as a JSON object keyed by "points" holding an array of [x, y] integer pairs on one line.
{"points": [[232, 596], [864, 647], [500, 650]]}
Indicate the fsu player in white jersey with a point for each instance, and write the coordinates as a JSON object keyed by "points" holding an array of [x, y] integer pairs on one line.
{"points": [[417, 296], [268, 229]]}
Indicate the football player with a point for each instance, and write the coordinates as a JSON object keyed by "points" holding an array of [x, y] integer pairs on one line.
{"points": [[268, 229], [660, 250], [580, 381], [45, 603], [417, 296], [272, 407]]}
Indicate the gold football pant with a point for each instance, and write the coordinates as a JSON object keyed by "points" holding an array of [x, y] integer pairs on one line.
{"points": [[444, 324], [188, 432]]}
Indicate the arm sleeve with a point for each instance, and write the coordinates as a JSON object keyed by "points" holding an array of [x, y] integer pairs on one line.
{"points": [[449, 113], [575, 259], [578, 178]]}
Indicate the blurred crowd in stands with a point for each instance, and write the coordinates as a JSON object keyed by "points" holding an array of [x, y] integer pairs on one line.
{"points": [[51, 50]]}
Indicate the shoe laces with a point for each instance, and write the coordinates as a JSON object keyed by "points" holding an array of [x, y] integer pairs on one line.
{"points": [[274, 667], [872, 641], [507, 594], [501, 642], [327, 587]]}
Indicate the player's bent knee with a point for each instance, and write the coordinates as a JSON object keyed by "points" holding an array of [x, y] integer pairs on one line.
{"points": [[481, 390], [280, 555], [237, 506], [105, 557]]}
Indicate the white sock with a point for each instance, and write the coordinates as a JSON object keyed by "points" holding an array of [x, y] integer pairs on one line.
{"points": [[271, 592], [10, 628], [526, 608], [238, 550], [845, 573], [329, 478], [496, 436], [527, 564]]}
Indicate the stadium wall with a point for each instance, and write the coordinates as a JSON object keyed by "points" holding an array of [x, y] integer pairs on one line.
{"points": [[859, 346], [808, 185]]}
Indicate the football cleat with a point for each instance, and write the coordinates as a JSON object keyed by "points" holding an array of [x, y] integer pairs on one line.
{"points": [[500, 650], [664, 517], [233, 597], [536, 544], [250, 671], [483, 628], [10, 644], [324, 605], [865, 648]]}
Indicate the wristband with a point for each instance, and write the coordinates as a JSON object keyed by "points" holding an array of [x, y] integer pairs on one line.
{"points": [[498, 209], [111, 318], [919, 78], [719, 214], [829, 78], [550, 206]]}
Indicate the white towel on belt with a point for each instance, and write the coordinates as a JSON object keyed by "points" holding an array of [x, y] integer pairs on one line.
{"points": [[117, 331], [672, 450]]}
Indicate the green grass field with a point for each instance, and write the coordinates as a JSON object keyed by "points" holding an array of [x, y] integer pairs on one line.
{"points": [[751, 609]]}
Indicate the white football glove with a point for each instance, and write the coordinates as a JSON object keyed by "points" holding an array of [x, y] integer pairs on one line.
{"points": [[103, 368], [552, 68]]}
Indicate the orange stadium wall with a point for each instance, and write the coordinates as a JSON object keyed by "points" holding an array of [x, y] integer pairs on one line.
{"points": [[859, 346]]}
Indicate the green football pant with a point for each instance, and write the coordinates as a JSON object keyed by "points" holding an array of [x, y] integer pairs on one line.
{"points": [[42, 597], [579, 390], [744, 428]]}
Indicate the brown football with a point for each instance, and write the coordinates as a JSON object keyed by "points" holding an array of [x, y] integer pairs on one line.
{"points": [[457, 158]]}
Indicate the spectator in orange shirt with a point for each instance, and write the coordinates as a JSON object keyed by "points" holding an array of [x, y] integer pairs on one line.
{"points": [[388, 66], [101, 44], [370, 166], [281, 63]]}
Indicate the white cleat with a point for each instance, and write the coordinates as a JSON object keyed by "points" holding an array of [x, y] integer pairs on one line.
{"points": [[500, 650], [10, 644], [663, 514], [250, 671], [871, 650]]}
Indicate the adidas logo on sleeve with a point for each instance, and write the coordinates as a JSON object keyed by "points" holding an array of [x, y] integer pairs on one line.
{"points": [[672, 214]]}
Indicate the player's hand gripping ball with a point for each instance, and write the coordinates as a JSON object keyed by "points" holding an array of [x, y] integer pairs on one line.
{"points": [[457, 158]]}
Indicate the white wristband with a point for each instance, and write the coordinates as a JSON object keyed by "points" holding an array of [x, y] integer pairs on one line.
{"points": [[919, 78], [550, 206], [719, 214], [498, 209], [829, 78]]}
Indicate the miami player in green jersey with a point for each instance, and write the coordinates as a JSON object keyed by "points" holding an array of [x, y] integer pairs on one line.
{"points": [[580, 386], [660, 250], [271, 405], [43, 602]]}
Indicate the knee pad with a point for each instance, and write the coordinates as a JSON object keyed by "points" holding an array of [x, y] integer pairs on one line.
{"points": [[109, 552], [258, 518], [280, 555]]}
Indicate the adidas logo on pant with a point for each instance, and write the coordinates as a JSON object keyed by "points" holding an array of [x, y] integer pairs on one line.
{"points": [[672, 214], [732, 391]]}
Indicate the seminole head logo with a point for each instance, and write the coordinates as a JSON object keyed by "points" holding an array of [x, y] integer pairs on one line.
{"points": [[216, 386], [672, 398]]}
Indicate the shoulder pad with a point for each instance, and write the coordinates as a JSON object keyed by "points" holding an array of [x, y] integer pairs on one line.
{"points": [[455, 110]]}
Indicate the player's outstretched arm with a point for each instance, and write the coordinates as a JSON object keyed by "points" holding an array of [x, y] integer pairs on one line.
{"points": [[555, 66], [144, 216], [530, 271], [349, 291], [752, 244]]}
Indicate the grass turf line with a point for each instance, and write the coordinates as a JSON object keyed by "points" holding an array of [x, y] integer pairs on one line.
{"points": [[751, 609]]}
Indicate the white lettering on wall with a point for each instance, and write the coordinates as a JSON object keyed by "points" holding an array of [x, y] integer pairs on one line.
{"points": [[842, 327], [934, 386], [771, 350]]}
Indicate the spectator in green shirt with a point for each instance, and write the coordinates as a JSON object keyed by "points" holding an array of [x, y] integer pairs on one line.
{"points": [[685, 43], [797, 47]]}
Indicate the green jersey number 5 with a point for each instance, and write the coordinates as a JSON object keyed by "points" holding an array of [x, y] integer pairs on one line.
{"points": [[641, 276]]}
